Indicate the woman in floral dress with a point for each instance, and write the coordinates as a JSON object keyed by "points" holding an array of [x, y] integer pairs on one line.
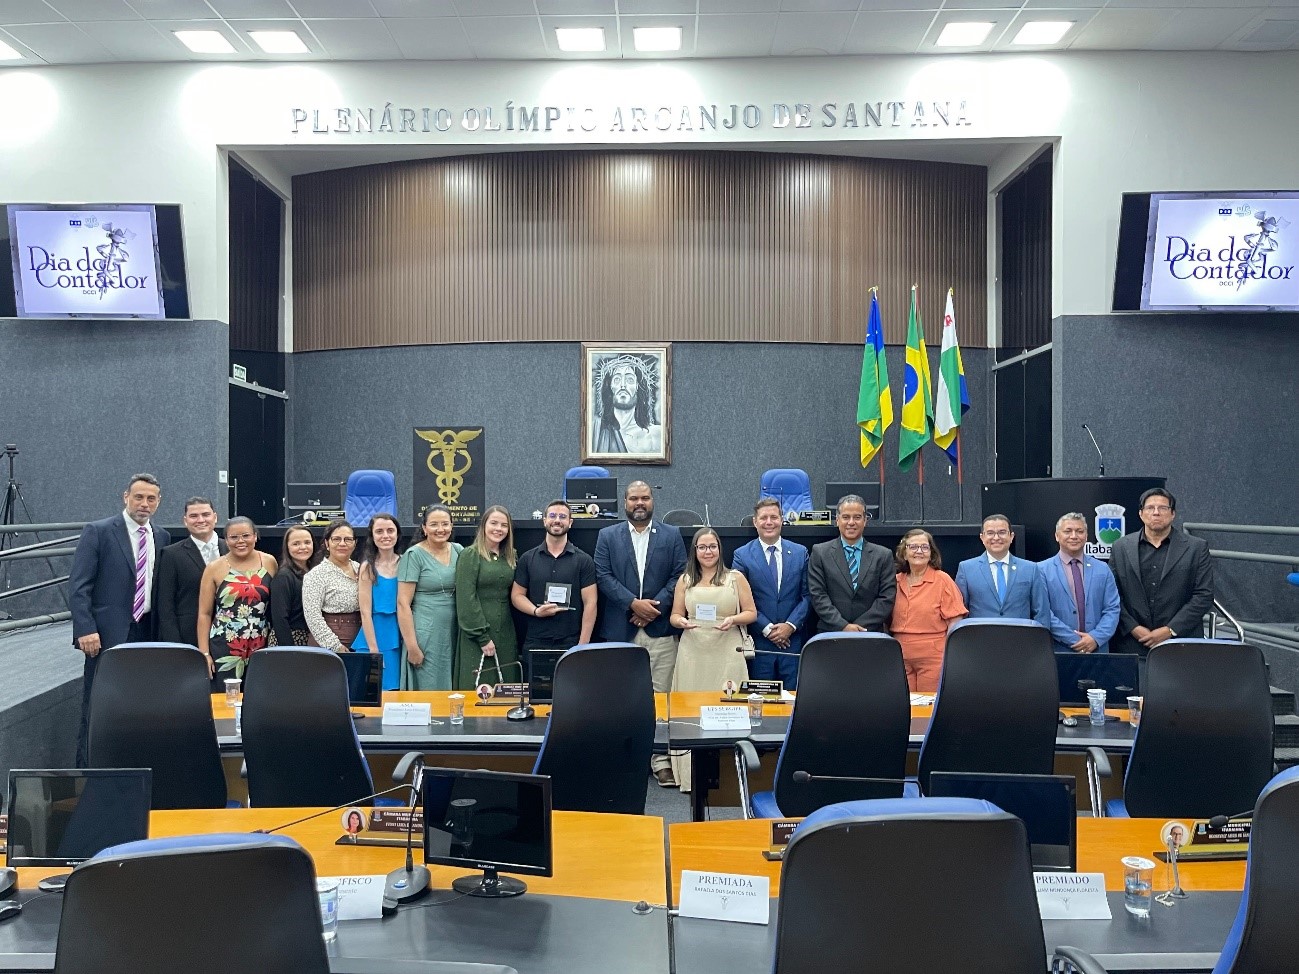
{"points": [[234, 600]]}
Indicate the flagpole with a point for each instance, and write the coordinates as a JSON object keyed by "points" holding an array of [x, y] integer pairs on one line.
{"points": [[920, 460], [960, 477], [881, 460]]}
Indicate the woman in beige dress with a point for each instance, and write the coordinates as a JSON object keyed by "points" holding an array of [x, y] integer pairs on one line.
{"points": [[711, 607]]}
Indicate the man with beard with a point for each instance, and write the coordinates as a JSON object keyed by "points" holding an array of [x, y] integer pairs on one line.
{"points": [[636, 567], [554, 584], [626, 422]]}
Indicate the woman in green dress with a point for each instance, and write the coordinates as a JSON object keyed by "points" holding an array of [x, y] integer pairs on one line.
{"points": [[484, 576], [426, 604]]}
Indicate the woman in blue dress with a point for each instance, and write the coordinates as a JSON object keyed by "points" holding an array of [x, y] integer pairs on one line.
{"points": [[377, 594]]}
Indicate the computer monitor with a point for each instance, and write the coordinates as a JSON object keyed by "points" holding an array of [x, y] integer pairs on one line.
{"points": [[63, 817], [1047, 804], [541, 674], [598, 490], [364, 678], [869, 492], [313, 497], [495, 821], [1115, 673]]}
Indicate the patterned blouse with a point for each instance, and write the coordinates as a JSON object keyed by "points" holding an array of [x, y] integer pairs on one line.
{"points": [[327, 588]]}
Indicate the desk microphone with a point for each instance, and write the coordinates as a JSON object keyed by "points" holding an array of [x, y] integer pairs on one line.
{"points": [[1098, 447], [410, 881], [1220, 821], [769, 652], [524, 711], [803, 777], [336, 808]]}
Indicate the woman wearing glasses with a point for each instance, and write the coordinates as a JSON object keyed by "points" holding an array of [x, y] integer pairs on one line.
{"points": [[329, 597], [928, 601], [711, 607]]}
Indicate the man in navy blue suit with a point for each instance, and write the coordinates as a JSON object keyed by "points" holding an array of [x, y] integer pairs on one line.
{"points": [[637, 565], [1083, 597], [777, 574], [996, 584], [111, 583]]}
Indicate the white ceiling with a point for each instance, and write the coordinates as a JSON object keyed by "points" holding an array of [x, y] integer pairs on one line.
{"points": [[90, 31]]}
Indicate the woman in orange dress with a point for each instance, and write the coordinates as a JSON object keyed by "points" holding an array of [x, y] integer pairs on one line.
{"points": [[928, 601]]}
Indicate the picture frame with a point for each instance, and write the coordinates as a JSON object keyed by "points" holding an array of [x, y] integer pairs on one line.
{"points": [[626, 402]]}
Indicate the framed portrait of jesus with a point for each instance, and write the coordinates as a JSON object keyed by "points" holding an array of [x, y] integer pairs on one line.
{"points": [[627, 403]]}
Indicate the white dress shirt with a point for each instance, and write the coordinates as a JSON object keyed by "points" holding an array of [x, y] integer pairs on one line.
{"points": [[992, 567], [640, 545], [209, 549]]}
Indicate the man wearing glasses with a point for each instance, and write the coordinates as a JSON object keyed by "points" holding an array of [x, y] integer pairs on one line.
{"points": [[554, 585], [1165, 578], [996, 584]]}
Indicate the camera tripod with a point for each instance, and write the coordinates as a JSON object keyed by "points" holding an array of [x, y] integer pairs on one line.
{"points": [[13, 499]]}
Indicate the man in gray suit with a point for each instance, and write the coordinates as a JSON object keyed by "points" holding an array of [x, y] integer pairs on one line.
{"points": [[852, 582], [1165, 578]]}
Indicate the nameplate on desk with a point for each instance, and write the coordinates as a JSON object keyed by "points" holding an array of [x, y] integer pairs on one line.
{"points": [[1230, 833], [396, 820], [810, 517], [724, 718], [408, 714], [508, 690], [4, 832], [782, 832], [770, 690], [725, 896], [1072, 896], [922, 699], [360, 897]]}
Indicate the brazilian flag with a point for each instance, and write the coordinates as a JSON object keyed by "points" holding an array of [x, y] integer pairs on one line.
{"points": [[917, 393]]}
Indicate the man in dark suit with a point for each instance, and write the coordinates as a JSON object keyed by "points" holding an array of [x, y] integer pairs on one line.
{"points": [[1165, 578], [777, 574], [180, 569], [998, 585], [637, 565], [852, 582], [111, 583]]}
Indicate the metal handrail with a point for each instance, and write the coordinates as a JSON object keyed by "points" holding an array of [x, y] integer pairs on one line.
{"points": [[34, 587], [1242, 528], [38, 528], [1273, 632], [1254, 556], [36, 546], [10, 625], [25, 555], [1220, 609]]}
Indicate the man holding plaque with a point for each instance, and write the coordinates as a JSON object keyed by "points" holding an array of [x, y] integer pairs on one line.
{"points": [[554, 584]]}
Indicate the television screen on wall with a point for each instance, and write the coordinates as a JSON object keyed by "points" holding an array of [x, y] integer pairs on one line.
{"points": [[102, 260], [1208, 252]]}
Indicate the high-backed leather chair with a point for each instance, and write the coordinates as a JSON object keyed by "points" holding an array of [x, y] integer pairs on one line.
{"points": [[370, 492], [789, 485]]}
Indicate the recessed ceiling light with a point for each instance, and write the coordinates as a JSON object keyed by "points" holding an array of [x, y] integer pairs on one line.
{"points": [[964, 34], [279, 41], [580, 39], [657, 38], [1042, 32], [8, 53], [205, 41]]}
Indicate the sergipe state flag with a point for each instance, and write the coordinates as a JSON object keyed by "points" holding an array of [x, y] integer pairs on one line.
{"points": [[917, 405], [952, 400], [874, 398]]}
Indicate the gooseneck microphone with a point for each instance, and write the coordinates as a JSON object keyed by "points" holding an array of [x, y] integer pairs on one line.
{"points": [[1220, 821], [770, 652], [1099, 454], [408, 882], [336, 808], [803, 777], [524, 711]]}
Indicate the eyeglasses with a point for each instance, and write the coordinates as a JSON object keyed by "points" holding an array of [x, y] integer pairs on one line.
{"points": [[1157, 509], [996, 534], [705, 547], [558, 517], [342, 541], [917, 547]]}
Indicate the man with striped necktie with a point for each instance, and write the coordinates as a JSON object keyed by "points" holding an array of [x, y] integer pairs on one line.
{"points": [[851, 581], [110, 587]]}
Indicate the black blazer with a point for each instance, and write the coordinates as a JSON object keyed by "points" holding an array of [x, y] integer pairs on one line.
{"points": [[101, 584], [1185, 591], [175, 601], [836, 603], [286, 605]]}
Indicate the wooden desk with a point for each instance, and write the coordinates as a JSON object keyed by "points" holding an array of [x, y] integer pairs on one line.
{"points": [[607, 857], [438, 700], [736, 847]]}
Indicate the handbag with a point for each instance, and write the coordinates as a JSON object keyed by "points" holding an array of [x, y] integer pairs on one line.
{"points": [[747, 648]]}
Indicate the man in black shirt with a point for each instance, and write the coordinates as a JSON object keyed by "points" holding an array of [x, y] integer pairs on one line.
{"points": [[554, 584]]}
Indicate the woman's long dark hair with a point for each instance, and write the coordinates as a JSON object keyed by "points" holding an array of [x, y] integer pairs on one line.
{"points": [[692, 561], [286, 560], [371, 551]]}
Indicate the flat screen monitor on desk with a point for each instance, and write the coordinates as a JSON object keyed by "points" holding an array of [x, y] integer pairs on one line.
{"points": [[64, 817], [364, 678], [597, 490], [869, 492], [1115, 673], [1045, 803], [490, 820]]}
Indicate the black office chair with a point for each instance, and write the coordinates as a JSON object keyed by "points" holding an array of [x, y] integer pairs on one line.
{"points": [[911, 886], [151, 707], [1204, 744], [852, 717], [746, 521], [683, 518], [998, 701], [601, 730], [1264, 939], [147, 908], [300, 743]]}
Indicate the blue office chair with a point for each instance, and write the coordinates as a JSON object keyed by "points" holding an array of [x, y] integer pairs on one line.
{"points": [[789, 485], [172, 733], [370, 492], [300, 742], [1204, 745], [1264, 938], [858, 891], [998, 701], [852, 717], [575, 473], [601, 729]]}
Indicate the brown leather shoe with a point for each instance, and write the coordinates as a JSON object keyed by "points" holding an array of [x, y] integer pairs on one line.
{"points": [[664, 778]]}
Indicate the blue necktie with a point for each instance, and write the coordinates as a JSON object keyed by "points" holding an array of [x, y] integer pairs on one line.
{"points": [[771, 566], [1001, 583], [854, 563]]}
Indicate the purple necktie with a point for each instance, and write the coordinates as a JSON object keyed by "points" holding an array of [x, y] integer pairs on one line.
{"points": [[1080, 599], [141, 571]]}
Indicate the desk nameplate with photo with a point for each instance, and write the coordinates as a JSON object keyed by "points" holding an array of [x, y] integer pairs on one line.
{"points": [[502, 695]]}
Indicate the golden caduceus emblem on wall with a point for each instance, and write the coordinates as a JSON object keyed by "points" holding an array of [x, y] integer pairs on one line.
{"points": [[450, 447]]}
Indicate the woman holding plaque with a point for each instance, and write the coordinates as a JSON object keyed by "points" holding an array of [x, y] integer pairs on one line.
{"points": [[426, 603], [484, 575], [928, 601], [711, 607]]}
